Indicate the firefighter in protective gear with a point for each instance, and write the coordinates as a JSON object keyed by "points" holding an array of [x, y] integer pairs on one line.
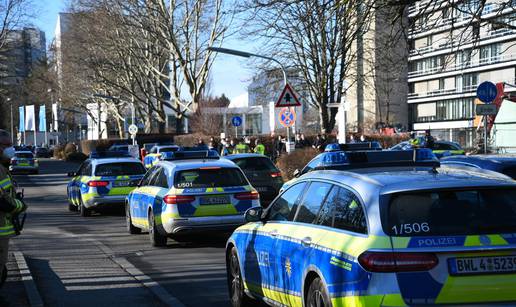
{"points": [[259, 148], [241, 147], [10, 204]]}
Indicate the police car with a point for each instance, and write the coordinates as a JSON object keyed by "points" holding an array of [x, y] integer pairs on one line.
{"points": [[24, 162], [505, 164], [104, 179], [380, 234], [189, 193], [155, 153], [440, 148]]}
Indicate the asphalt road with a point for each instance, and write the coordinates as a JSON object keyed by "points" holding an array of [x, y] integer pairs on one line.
{"points": [[93, 261]]}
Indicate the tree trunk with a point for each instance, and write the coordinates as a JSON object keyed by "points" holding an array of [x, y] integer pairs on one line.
{"points": [[120, 128], [179, 124]]}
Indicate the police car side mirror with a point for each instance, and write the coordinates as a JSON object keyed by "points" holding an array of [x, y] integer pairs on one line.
{"points": [[253, 214], [72, 174], [297, 173]]}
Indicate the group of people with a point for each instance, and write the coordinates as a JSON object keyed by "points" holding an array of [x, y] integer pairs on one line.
{"points": [[228, 146], [427, 142]]}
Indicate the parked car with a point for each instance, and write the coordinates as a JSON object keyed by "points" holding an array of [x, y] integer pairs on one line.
{"points": [[42, 152], [264, 176], [440, 148], [24, 162]]}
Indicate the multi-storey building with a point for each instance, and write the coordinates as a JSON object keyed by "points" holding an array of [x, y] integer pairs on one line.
{"points": [[454, 46]]}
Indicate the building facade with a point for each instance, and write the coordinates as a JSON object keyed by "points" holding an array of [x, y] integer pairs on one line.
{"points": [[451, 53]]}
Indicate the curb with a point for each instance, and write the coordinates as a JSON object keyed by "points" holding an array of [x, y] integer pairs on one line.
{"points": [[26, 276]]}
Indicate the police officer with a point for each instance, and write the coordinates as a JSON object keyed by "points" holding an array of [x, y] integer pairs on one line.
{"points": [[10, 205], [414, 141], [429, 139], [242, 147], [259, 148]]}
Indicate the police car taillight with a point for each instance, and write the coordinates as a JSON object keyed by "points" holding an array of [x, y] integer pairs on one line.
{"points": [[178, 199], [388, 262], [275, 174], [96, 184], [247, 195]]}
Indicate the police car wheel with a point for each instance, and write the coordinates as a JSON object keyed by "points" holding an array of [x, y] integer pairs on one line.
{"points": [[317, 294], [156, 238], [85, 212], [72, 207], [236, 284], [129, 224]]}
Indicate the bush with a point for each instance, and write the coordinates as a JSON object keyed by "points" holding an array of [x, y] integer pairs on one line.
{"points": [[70, 149], [288, 163], [76, 157], [191, 139], [59, 152]]}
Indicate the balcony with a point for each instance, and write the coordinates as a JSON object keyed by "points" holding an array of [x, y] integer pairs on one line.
{"points": [[442, 92], [461, 66], [456, 43]]}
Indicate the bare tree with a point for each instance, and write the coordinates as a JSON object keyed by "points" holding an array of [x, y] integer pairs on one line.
{"points": [[318, 38]]}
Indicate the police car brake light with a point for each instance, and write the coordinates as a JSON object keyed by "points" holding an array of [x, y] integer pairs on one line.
{"points": [[97, 183], [275, 174], [389, 262], [178, 199], [247, 195]]}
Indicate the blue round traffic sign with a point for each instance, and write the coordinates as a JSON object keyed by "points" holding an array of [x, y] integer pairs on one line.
{"points": [[287, 117], [486, 92], [236, 121]]}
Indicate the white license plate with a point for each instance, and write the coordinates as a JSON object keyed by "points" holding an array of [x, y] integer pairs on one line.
{"points": [[214, 200], [122, 183], [262, 189], [482, 265]]}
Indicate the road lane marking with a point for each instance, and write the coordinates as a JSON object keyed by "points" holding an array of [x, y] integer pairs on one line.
{"points": [[26, 276]]}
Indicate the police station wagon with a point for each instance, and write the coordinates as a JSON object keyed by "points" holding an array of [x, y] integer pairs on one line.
{"points": [[190, 193], [103, 180], [380, 236]]}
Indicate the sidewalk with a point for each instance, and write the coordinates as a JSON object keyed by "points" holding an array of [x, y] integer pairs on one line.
{"points": [[14, 290]]}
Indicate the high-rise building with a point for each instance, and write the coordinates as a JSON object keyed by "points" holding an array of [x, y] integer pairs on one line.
{"points": [[23, 51], [377, 78], [455, 46]]}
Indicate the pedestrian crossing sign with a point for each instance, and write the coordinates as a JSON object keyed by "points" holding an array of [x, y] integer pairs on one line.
{"points": [[287, 98]]}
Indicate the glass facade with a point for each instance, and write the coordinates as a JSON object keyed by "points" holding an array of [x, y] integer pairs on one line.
{"points": [[451, 109]]}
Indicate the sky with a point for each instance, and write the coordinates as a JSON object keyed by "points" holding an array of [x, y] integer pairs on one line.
{"points": [[230, 75]]}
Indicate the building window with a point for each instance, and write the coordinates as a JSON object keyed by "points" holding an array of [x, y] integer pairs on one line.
{"points": [[452, 109], [466, 82], [490, 53]]}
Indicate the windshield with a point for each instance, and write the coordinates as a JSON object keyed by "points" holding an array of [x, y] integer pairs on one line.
{"points": [[119, 169], [210, 177], [255, 164], [24, 155], [452, 212]]}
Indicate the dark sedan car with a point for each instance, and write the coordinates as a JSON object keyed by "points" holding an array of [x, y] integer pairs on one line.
{"points": [[262, 174], [42, 152], [504, 164]]}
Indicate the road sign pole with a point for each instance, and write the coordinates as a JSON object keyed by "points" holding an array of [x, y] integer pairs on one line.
{"points": [[236, 132], [288, 140], [485, 134]]}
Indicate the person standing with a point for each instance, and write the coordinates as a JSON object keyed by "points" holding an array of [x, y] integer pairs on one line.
{"points": [[429, 140], [10, 204], [259, 148], [242, 147]]}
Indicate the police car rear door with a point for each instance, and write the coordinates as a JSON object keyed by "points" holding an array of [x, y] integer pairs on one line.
{"points": [[454, 246]]}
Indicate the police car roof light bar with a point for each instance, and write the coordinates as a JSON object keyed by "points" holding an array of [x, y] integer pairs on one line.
{"points": [[353, 146], [109, 154], [190, 155]]}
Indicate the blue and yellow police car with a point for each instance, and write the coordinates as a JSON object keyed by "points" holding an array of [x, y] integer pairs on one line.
{"points": [[156, 152], [187, 193], [505, 164], [380, 230], [24, 162], [104, 179]]}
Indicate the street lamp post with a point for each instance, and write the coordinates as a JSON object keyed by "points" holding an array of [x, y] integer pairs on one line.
{"points": [[12, 123], [246, 54]]}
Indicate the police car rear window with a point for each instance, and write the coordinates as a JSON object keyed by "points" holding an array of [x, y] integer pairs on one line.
{"points": [[451, 212], [255, 164], [24, 155], [119, 169], [209, 178], [169, 149]]}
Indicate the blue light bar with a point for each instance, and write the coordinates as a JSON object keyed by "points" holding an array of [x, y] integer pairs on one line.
{"points": [[109, 154], [359, 146], [189, 154], [351, 159]]}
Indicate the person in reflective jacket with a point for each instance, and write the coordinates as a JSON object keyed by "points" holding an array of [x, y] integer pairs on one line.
{"points": [[10, 204]]}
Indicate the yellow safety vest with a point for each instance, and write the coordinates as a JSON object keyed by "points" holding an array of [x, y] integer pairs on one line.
{"points": [[8, 193], [259, 149]]}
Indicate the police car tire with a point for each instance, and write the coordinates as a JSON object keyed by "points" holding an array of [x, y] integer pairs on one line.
{"points": [[85, 212], [72, 207], [156, 239], [129, 223], [241, 300], [317, 292]]}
